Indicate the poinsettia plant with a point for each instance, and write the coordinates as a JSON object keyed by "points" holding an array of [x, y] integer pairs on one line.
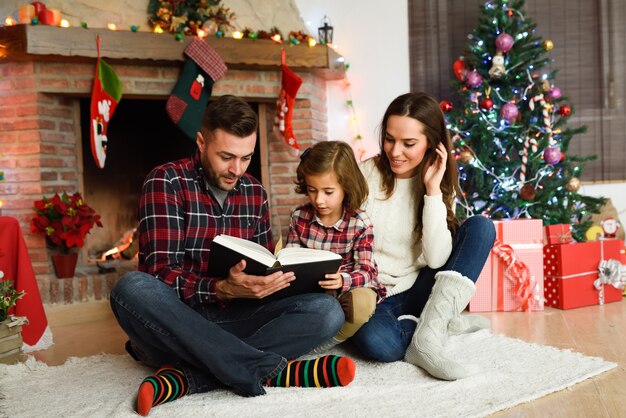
{"points": [[64, 220], [8, 296]]}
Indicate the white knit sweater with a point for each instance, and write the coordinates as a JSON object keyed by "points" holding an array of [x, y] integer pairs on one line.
{"points": [[398, 255]]}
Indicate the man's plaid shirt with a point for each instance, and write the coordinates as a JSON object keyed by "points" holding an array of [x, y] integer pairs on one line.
{"points": [[179, 217], [352, 237]]}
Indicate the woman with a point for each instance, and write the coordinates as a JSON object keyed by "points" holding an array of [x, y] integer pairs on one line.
{"points": [[427, 262]]}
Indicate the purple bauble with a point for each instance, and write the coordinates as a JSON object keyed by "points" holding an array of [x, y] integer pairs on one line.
{"points": [[504, 42], [473, 79], [554, 93], [552, 155], [509, 112]]}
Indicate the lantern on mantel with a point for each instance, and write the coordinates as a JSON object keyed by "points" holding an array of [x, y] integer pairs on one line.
{"points": [[325, 32]]}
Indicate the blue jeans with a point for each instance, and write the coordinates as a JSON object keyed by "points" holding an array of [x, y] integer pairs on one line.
{"points": [[238, 346], [383, 337]]}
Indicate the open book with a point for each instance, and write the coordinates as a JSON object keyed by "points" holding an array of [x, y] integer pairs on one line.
{"points": [[309, 265]]}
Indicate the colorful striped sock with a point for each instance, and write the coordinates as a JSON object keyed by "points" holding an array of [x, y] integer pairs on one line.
{"points": [[166, 385], [327, 371]]}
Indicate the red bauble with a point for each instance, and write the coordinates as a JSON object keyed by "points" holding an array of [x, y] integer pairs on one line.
{"points": [[528, 192], [445, 106], [459, 69], [486, 103], [565, 110], [562, 156]]}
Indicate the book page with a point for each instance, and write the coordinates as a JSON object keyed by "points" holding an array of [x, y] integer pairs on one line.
{"points": [[248, 248], [296, 255]]}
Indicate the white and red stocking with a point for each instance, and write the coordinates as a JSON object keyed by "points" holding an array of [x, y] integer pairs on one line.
{"points": [[105, 95], [283, 121]]}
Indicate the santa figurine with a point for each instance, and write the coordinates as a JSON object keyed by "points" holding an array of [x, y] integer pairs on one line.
{"points": [[610, 227]]}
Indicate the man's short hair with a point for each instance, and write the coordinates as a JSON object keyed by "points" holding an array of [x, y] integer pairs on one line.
{"points": [[231, 114]]}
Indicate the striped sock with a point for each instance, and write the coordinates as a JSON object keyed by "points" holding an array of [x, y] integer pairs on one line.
{"points": [[166, 385], [327, 371]]}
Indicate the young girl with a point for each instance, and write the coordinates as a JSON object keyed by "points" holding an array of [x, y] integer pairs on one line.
{"points": [[427, 261], [329, 175]]}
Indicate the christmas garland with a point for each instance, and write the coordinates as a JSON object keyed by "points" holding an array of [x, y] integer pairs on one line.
{"points": [[187, 17]]}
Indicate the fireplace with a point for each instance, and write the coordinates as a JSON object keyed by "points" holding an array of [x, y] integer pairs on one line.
{"points": [[47, 75]]}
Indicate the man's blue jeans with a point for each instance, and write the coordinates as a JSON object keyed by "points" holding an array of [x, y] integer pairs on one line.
{"points": [[383, 337], [238, 346]]}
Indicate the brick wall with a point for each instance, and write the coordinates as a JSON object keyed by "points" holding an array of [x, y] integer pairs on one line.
{"points": [[40, 145]]}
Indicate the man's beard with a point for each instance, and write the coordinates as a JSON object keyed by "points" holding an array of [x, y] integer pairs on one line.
{"points": [[214, 179]]}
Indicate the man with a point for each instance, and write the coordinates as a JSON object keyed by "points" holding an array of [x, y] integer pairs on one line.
{"points": [[206, 332]]}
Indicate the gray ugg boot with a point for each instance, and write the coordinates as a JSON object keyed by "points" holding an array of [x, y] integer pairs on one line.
{"points": [[449, 296]]}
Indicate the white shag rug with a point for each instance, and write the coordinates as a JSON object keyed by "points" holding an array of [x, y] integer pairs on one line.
{"points": [[511, 372]]}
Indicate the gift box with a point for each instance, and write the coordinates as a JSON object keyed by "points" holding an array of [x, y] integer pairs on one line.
{"points": [[573, 276], [557, 234], [512, 278]]}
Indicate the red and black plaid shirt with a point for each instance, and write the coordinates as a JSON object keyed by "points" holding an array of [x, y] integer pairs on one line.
{"points": [[352, 237], [179, 217]]}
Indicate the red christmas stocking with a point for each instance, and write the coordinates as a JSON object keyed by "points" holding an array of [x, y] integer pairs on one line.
{"points": [[106, 94], [284, 106], [203, 67]]}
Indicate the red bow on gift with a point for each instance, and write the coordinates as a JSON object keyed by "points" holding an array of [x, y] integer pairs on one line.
{"points": [[518, 272]]}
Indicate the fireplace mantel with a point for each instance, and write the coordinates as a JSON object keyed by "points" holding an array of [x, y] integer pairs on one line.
{"points": [[42, 43]]}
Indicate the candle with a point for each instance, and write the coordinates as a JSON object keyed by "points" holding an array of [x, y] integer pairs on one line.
{"points": [[27, 12]]}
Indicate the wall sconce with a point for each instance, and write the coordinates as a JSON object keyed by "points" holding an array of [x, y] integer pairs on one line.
{"points": [[325, 32]]}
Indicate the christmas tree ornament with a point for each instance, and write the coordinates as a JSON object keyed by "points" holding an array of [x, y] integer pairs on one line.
{"points": [[504, 42], [446, 106], [552, 155], [545, 86], [565, 110], [527, 192], [531, 143], [473, 79], [548, 45], [466, 157], [283, 122], [509, 112], [203, 68], [105, 95], [545, 112], [573, 185], [554, 93], [459, 69], [209, 27], [562, 157], [486, 103], [497, 69]]}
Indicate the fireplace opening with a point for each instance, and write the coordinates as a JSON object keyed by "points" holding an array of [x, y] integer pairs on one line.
{"points": [[141, 136]]}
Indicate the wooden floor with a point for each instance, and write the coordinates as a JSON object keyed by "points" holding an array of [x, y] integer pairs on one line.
{"points": [[87, 329]]}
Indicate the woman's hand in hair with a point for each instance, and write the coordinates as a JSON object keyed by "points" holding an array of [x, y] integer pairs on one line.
{"points": [[434, 169]]}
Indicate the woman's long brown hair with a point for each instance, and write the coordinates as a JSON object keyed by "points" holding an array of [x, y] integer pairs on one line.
{"points": [[425, 109]]}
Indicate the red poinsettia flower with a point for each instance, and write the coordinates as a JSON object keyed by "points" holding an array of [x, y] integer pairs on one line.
{"points": [[64, 220]]}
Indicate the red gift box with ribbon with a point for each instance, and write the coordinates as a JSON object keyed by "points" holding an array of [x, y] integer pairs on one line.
{"points": [[512, 278], [558, 234], [583, 273]]}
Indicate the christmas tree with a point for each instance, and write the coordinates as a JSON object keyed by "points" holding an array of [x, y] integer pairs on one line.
{"points": [[510, 132]]}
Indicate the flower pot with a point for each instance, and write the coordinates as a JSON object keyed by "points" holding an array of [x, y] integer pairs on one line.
{"points": [[10, 342], [64, 264]]}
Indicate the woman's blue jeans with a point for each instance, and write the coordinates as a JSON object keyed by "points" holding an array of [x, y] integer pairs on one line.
{"points": [[383, 337], [238, 346]]}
